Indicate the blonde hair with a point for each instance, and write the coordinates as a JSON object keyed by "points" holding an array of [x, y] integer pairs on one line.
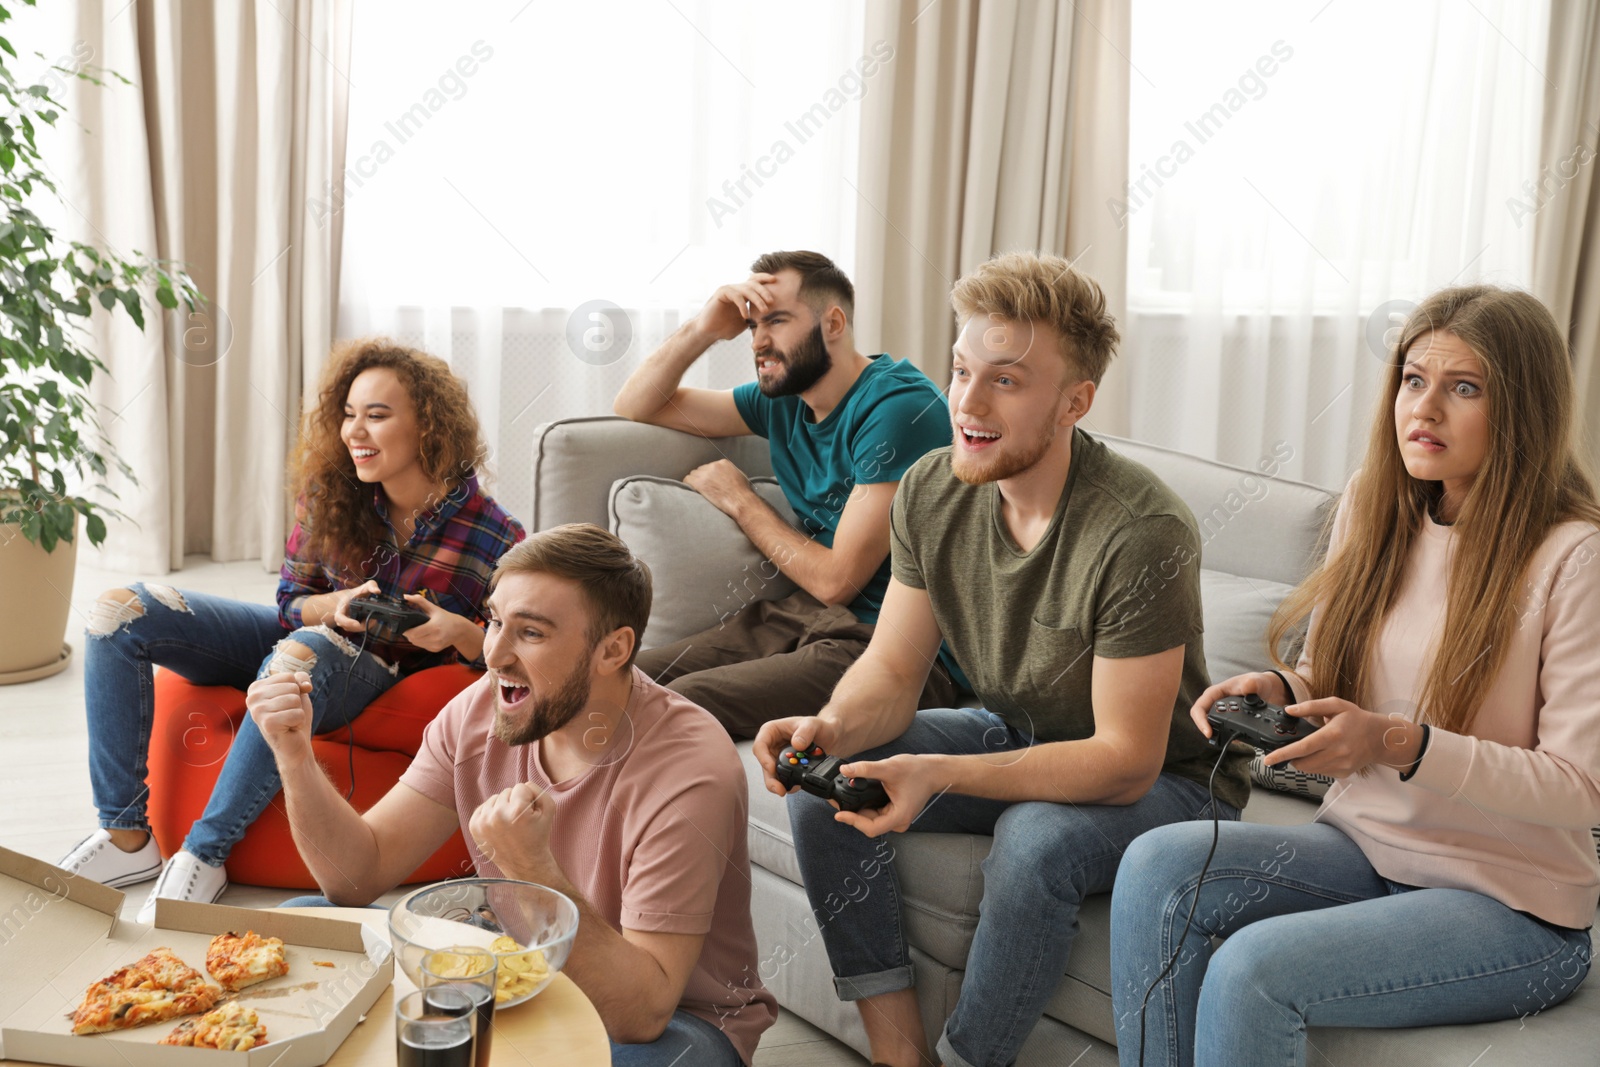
{"points": [[616, 582], [1029, 287], [1531, 480]]}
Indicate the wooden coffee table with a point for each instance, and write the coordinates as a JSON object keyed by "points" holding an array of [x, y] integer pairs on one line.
{"points": [[559, 1026]]}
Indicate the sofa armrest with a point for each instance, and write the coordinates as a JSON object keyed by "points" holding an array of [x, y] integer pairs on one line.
{"points": [[576, 461]]}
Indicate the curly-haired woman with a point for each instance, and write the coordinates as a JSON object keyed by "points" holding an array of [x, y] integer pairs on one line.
{"points": [[388, 504], [1449, 876]]}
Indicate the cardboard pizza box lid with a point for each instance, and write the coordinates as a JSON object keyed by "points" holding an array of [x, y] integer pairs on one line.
{"points": [[47, 915], [67, 936]]}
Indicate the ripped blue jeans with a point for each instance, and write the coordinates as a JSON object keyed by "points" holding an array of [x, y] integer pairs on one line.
{"points": [[208, 640]]}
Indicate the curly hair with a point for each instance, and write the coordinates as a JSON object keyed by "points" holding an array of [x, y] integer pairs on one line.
{"points": [[334, 506]]}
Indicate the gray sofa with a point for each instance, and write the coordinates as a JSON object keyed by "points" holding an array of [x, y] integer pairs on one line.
{"points": [[1259, 535]]}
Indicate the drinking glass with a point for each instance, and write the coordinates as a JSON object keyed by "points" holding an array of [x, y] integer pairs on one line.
{"points": [[433, 1028], [472, 971]]}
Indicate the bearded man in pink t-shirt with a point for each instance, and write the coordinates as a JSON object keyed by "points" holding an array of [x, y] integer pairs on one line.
{"points": [[567, 766]]}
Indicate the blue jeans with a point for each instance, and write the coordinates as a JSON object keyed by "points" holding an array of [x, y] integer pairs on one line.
{"points": [[1046, 858], [209, 641], [688, 1039], [322, 902], [1315, 938]]}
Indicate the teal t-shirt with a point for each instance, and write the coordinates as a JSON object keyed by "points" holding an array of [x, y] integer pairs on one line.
{"points": [[892, 416]]}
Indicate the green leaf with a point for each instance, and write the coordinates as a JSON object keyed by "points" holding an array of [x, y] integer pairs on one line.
{"points": [[130, 301], [165, 297], [6, 45], [8, 155], [108, 298]]}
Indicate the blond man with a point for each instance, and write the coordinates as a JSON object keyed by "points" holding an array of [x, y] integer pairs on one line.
{"points": [[1065, 579]]}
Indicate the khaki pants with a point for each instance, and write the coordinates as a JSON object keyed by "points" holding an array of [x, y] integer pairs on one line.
{"points": [[774, 659]]}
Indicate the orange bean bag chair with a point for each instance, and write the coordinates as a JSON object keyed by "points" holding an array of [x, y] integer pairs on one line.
{"points": [[194, 727]]}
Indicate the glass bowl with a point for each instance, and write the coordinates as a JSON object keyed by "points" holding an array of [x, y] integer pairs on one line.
{"points": [[476, 911]]}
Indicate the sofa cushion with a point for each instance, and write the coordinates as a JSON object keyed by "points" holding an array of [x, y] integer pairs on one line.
{"points": [[1285, 779], [1237, 611], [694, 590], [1250, 524], [576, 462]]}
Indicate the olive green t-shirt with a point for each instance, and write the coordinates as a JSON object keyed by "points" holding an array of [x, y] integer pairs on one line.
{"points": [[1116, 574]]}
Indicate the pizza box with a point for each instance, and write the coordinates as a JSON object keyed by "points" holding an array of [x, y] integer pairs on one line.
{"points": [[60, 933]]}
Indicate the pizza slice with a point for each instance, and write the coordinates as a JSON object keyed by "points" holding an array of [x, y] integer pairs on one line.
{"points": [[232, 1027], [238, 961], [154, 989]]}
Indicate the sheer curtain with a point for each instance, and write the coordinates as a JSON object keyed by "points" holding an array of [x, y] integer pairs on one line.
{"points": [[230, 115], [1299, 174], [541, 193]]}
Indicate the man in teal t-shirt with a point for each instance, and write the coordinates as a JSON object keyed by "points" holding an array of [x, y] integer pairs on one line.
{"points": [[842, 428]]}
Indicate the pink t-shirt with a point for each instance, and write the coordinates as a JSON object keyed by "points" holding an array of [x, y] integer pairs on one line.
{"points": [[654, 837], [1505, 808]]}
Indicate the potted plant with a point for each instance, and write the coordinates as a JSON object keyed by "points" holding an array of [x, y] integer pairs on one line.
{"points": [[53, 461]]}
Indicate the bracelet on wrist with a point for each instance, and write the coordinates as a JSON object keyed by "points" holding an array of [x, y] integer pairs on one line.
{"points": [[1422, 750]]}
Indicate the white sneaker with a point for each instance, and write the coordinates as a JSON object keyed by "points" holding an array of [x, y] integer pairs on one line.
{"points": [[98, 860], [185, 877]]}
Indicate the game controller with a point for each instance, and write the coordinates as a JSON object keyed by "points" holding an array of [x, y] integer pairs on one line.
{"points": [[1250, 718], [392, 615], [818, 774]]}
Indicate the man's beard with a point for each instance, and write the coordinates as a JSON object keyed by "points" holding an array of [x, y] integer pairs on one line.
{"points": [[802, 368], [548, 714], [980, 469]]}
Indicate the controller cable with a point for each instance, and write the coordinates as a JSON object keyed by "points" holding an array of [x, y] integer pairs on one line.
{"points": [[1216, 832], [350, 727]]}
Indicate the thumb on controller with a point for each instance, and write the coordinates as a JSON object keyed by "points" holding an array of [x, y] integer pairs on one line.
{"points": [[804, 734]]}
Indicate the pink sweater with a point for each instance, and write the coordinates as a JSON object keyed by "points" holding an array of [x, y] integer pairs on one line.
{"points": [[1504, 809]]}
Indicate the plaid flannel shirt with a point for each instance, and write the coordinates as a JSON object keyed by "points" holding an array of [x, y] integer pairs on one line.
{"points": [[451, 554]]}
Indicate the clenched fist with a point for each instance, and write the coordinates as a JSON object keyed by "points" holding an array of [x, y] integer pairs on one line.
{"points": [[280, 705], [512, 831]]}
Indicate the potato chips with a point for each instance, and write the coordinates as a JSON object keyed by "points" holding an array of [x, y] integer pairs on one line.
{"points": [[519, 974], [455, 963]]}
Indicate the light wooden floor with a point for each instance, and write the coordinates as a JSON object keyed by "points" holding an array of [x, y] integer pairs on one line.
{"points": [[46, 806]]}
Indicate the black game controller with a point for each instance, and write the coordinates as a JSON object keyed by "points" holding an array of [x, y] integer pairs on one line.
{"points": [[1250, 718], [392, 616], [818, 774]]}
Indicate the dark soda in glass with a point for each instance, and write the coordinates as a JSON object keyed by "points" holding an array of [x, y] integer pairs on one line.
{"points": [[434, 1042], [482, 1007]]}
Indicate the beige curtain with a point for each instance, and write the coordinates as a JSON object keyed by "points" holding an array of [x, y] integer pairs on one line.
{"points": [[1001, 125], [220, 155], [1566, 242]]}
